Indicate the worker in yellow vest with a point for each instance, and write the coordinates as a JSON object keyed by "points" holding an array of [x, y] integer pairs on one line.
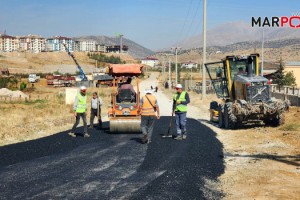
{"points": [[80, 108], [149, 111], [180, 100]]}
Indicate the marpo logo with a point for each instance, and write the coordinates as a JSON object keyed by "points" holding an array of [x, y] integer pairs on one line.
{"points": [[283, 21]]}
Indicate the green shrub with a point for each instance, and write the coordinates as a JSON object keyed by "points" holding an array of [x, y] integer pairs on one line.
{"points": [[23, 86]]}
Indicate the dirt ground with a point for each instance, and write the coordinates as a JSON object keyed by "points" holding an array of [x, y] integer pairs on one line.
{"points": [[44, 114], [261, 162]]}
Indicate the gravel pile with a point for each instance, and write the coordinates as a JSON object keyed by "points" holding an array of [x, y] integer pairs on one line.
{"points": [[13, 94]]}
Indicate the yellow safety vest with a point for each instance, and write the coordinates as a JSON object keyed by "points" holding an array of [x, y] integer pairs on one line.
{"points": [[180, 107], [81, 105]]}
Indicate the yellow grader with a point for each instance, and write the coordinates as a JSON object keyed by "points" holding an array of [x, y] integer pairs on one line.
{"points": [[245, 94]]}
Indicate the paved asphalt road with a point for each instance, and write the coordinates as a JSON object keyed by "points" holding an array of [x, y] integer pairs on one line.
{"points": [[114, 166]]}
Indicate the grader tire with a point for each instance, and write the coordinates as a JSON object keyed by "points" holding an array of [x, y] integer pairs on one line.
{"points": [[229, 117], [221, 116], [278, 120]]}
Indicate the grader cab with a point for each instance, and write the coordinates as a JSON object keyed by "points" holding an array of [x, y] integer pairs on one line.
{"points": [[245, 94]]}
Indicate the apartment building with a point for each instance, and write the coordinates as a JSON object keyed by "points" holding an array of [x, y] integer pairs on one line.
{"points": [[101, 48], [116, 49], [150, 61], [8, 43], [84, 45], [32, 43], [56, 43]]}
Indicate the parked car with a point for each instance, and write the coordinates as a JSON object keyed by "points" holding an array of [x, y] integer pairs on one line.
{"points": [[33, 78]]}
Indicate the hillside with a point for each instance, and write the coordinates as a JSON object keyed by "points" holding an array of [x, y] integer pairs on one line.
{"points": [[287, 49], [135, 50], [235, 32], [48, 62]]}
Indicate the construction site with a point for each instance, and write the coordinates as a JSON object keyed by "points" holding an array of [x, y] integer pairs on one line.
{"points": [[98, 117], [41, 111]]}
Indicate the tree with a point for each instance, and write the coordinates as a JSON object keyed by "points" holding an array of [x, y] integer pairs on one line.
{"points": [[289, 79], [278, 77]]}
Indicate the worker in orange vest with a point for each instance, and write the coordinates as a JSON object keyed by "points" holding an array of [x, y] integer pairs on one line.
{"points": [[149, 111]]}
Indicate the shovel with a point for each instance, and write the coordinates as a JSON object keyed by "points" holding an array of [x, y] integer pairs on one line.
{"points": [[168, 135]]}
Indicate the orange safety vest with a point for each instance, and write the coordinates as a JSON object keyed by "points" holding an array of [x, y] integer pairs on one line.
{"points": [[147, 108]]}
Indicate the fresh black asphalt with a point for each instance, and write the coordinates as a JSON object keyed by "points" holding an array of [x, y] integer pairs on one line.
{"points": [[114, 166]]}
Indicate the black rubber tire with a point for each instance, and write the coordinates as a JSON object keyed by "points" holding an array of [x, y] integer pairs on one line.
{"points": [[229, 117], [278, 120], [214, 105], [221, 116]]}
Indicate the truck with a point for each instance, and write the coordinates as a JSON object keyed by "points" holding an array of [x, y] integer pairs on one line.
{"points": [[33, 78], [60, 81]]}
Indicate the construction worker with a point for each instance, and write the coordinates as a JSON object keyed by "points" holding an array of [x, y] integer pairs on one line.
{"points": [[96, 104], [127, 85], [149, 111], [80, 108], [180, 100]]}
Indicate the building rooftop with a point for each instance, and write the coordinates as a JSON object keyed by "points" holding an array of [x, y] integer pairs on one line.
{"points": [[292, 63]]}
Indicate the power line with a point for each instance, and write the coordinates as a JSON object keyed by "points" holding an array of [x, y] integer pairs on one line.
{"points": [[183, 27], [192, 22]]}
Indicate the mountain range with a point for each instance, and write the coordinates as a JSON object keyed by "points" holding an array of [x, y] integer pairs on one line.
{"points": [[235, 32]]}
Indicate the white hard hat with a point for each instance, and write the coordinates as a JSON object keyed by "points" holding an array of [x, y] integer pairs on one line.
{"points": [[82, 88], [148, 91], [178, 86]]}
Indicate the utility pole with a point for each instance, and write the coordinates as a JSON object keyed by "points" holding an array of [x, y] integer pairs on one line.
{"points": [[176, 69], [262, 53], [169, 72], [121, 45], [169, 81], [163, 68], [204, 51]]}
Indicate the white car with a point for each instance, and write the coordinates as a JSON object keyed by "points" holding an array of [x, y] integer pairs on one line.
{"points": [[32, 78]]}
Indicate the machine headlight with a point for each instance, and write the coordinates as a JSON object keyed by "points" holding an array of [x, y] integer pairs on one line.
{"points": [[120, 107]]}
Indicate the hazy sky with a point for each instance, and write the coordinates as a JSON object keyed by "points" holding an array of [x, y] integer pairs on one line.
{"points": [[154, 24]]}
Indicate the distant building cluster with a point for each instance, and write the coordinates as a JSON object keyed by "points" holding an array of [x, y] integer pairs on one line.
{"points": [[35, 44]]}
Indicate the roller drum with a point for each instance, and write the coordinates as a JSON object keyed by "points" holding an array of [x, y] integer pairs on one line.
{"points": [[124, 125]]}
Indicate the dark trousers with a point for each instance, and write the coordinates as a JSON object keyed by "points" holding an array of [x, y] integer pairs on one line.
{"points": [[83, 116], [147, 124], [94, 113]]}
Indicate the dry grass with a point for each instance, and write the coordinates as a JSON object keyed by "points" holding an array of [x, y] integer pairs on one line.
{"points": [[45, 114]]}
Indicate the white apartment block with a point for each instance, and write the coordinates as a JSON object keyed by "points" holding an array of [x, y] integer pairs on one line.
{"points": [[56, 43], [150, 61], [32, 43], [101, 48], [8, 43], [85, 45]]}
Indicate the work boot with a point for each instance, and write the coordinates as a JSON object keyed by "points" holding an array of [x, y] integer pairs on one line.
{"points": [[90, 126], [72, 134], [86, 135], [144, 139], [178, 137], [149, 141], [184, 135]]}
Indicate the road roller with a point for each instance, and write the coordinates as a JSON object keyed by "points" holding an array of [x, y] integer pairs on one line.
{"points": [[124, 113]]}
